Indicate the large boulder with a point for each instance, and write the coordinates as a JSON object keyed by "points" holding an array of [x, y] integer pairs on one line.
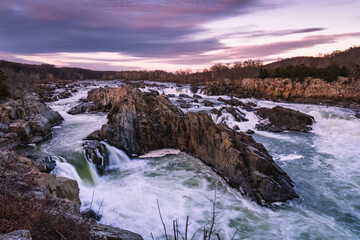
{"points": [[140, 122], [68, 189], [26, 120], [278, 119], [104, 232]]}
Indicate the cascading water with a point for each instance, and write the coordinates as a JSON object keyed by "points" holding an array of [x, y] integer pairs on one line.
{"points": [[324, 165]]}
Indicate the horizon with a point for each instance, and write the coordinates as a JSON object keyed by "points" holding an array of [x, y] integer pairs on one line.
{"points": [[165, 35]]}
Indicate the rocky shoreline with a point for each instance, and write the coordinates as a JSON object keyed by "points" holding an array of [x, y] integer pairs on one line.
{"points": [[345, 92]]}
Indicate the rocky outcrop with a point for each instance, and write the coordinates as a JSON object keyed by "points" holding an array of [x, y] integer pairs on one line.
{"points": [[140, 122], [279, 119], [26, 121], [96, 151], [46, 205], [98, 100], [343, 92], [105, 232], [68, 189]]}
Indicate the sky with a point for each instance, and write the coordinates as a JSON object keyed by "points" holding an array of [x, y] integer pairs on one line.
{"points": [[172, 34]]}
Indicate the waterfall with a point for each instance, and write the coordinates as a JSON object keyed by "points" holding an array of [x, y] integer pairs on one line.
{"points": [[116, 156]]}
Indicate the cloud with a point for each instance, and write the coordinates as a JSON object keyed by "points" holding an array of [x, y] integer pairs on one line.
{"points": [[263, 51], [140, 28]]}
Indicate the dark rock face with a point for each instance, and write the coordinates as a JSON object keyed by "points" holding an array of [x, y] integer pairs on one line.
{"points": [[207, 103], [279, 119], [140, 122], [96, 153], [46, 164], [104, 232], [234, 102], [27, 120]]}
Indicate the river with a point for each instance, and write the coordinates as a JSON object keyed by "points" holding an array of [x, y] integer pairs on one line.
{"points": [[324, 165]]}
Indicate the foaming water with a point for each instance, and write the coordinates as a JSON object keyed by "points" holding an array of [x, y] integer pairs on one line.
{"points": [[324, 165]]}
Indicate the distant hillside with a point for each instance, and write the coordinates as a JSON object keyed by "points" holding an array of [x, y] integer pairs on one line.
{"points": [[349, 58]]}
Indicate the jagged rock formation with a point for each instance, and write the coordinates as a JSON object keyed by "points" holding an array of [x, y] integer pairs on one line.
{"points": [[279, 119], [140, 122], [26, 121]]}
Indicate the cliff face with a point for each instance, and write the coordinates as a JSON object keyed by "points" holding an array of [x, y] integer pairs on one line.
{"points": [[344, 91]]}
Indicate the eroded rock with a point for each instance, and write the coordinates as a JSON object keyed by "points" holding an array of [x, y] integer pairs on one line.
{"points": [[279, 119]]}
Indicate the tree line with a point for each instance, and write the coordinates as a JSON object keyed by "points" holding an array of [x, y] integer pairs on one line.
{"points": [[301, 71]]}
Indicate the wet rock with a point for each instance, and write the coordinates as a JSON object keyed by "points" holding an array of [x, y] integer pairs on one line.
{"points": [[194, 88], [89, 213], [236, 113], [184, 96], [196, 96], [196, 100], [82, 108], [46, 164], [96, 153], [16, 235], [249, 106], [139, 123], [236, 128], [67, 188], [249, 131], [207, 103], [279, 119], [171, 95], [104, 232], [357, 114]]}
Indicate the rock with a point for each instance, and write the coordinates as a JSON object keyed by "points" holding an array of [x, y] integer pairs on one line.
{"points": [[139, 123], [237, 114], [96, 153], [207, 103], [89, 213], [28, 120], [234, 102], [194, 88], [196, 96], [40, 127], [357, 114], [279, 119], [46, 164], [249, 131], [104, 232], [184, 105], [236, 128], [196, 100], [46, 184], [16, 235], [171, 95], [67, 188], [22, 129], [184, 96], [82, 108]]}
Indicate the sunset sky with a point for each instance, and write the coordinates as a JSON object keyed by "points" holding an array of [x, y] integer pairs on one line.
{"points": [[172, 35]]}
